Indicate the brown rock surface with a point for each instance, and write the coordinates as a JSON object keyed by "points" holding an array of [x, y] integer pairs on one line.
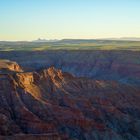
{"points": [[6, 65], [52, 102]]}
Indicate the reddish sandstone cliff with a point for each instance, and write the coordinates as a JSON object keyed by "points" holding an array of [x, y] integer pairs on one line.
{"points": [[50, 101], [9, 66]]}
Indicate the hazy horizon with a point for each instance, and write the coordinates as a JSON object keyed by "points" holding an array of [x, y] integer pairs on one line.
{"points": [[26, 20], [53, 39]]}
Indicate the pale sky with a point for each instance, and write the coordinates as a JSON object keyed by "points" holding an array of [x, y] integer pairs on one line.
{"points": [[58, 19]]}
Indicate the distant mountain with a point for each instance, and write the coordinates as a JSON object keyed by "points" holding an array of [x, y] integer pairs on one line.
{"points": [[45, 40], [122, 38], [77, 40], [131, 38]]}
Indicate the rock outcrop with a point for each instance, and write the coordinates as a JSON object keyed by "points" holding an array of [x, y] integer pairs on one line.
{"points": [[50, 101], [6, 66], [122, 66]]}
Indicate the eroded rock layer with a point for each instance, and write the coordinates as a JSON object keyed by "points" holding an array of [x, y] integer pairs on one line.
{"points": [[122, 66], [50, 101]]}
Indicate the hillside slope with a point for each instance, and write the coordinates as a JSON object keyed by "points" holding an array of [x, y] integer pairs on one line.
{"points": [[50, 101], [122, 66]]}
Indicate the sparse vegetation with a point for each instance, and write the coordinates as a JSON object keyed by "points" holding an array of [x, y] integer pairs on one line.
{"points": [[71, 45]]}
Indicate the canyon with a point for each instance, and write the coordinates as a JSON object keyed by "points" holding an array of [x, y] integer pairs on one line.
{"points": [[48, 100], [121, 66]]}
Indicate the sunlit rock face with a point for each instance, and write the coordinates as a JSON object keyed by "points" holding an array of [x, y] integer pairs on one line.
{"points": [[6, 65], [122, 66], [57, 103]]}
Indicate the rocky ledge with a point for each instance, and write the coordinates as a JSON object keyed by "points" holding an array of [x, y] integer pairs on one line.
{"points": [[50, 101]]}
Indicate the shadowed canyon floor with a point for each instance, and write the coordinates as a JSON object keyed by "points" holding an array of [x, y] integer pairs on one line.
{"points": [[48, 101]]}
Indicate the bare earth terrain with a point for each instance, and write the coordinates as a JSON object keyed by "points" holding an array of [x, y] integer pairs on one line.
{"points": [[70, 94]]}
